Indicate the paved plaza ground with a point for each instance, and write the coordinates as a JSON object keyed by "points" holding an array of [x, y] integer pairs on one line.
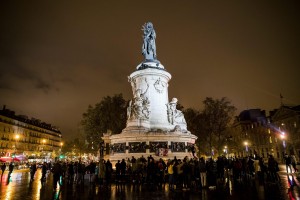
{"points": [[19, 186]]}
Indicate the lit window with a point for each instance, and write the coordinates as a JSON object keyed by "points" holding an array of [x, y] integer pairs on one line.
{"points": [[270, 140], [295, 124]]}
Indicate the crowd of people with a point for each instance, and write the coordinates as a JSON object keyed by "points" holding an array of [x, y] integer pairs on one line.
{"points": [[180, 174]]}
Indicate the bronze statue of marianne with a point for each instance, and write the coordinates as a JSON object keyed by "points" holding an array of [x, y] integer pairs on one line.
{"points": [[149, 47]]}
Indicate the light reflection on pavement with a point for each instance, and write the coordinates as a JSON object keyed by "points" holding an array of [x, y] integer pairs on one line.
{"points": [[19, 186]]}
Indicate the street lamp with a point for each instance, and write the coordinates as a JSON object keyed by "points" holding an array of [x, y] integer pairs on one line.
{"points": [[282, 136], [44, 142], [61, 144], [246, 145], [225, 151], [16, 143]]}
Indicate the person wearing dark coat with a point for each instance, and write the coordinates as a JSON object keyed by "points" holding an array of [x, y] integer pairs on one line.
{"points": [[32, 171], [288, 163], [203, 172], [211, 172], [123, 170], [10, 169], [70, 172], [108, 172], [3, 167], [92, 169], [44, 172], [186, 169], [118, 172], [272, 168], [56, 171]]}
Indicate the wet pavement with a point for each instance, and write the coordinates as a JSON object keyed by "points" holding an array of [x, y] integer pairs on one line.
{"points": [[19, 186]]}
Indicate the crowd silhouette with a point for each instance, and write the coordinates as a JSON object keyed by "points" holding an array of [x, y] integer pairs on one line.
{"points": [[187, 174]]}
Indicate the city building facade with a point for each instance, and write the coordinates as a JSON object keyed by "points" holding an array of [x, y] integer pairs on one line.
{"points": [[285, 122], [253, 134], [23, 138]]}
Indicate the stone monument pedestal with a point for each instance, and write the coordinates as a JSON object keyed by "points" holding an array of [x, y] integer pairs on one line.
{"points": [[165, 145]]}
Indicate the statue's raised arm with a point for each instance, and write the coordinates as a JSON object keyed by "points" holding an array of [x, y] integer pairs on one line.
{"points": [[149, 47]]}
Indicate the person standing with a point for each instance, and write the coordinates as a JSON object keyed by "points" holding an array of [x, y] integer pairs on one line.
{"points": [[92, 169], [44, 172], [32, 171], [3, 167], [294, 162], [151, 172], [108, 172], [134, 168], [10, 169], [161, 166], [288, 163], [211, 172], [70, 170], [64, 169], [220, 168], [179, 180], [57, 171], [123, 171], [272, 168], [193, 150], [171, 174], [203, 172], [118, 172], [186, 174], [257, 168], [102, 169], [80, 173]]}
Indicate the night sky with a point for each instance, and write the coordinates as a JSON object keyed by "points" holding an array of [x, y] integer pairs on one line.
{"points": [[57, 57]]}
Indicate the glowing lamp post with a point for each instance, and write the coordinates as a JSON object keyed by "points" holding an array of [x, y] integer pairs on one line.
{"points": [[43, 142], [61, 156], [61, 144], [225, 150], [282, 136], [246, 145], [17, 137]]}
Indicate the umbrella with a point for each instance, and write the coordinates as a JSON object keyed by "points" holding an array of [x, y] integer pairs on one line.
{"points": [[6, 159], [9, 159]]}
